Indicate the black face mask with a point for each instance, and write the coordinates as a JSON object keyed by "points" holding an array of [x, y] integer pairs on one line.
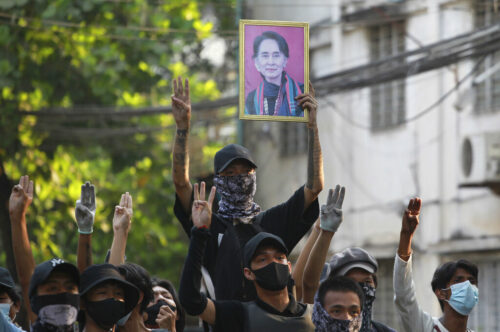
{"points": [[369, 293], [106, 313], [154, 310], [273, 276], [37, 302]]}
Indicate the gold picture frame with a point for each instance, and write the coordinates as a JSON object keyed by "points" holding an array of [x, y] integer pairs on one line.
{"points": [[252, 103]]}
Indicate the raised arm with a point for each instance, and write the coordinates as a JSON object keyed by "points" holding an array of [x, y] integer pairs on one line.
{"points": [[315, 181], [181, 109], [408, 228], [298, 269], [413, 318], [121, 226], [85, 215], [20, 200], [330, 219], [196, 303]]}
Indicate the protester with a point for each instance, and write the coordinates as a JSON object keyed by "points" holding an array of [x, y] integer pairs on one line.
{"points": [[139, 277], [10, 302], [338, 305], [53, 296], [265, 265], [358, 265], [309, 265], [239, 217], [165, 307], [105, 297], [454, 284]]}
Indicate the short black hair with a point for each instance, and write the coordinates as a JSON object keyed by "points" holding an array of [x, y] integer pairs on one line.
{"points": [[12, 293], [444, 273], [282, 44], [340, 284], [139, 277], [181, 322]]}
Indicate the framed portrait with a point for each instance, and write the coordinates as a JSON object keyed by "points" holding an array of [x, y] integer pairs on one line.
{"points": [[274, 69]]}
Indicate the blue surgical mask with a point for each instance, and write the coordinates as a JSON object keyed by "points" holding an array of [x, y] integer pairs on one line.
{"points": [[464, 297], [5, 310]]}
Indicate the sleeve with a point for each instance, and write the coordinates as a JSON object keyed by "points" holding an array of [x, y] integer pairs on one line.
{"points": [[190, 296], [229, 316], [414, 319], [183, 216], [8, 326], [289, 220]]}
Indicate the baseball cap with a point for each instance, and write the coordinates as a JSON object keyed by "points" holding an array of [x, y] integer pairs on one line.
{"points": [[99, 273], [43, 270], [6, 278], [258, 240], [351, 258], [228, 154]]}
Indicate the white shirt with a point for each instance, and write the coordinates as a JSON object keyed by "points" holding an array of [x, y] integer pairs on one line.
{"points": [[413, 317]]}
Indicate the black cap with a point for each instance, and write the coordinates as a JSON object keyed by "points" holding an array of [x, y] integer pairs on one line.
{"points": [[351, 258], [99, 273], [43, 270], [260, 239], [229, 153], [6, 278]]}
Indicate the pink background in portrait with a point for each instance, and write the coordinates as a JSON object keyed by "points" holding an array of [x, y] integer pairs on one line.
{"points": [[294, 36]]}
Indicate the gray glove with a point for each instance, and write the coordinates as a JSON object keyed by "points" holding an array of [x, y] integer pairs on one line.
{"points": [[85, 209], [331, 214]]}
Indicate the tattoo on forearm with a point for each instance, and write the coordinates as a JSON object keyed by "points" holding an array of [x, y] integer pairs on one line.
{"points": [[314, 159], [181, 157], [310, 158]]}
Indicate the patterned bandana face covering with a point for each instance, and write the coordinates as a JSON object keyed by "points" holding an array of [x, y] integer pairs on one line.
{"points": [[58, 314], [325, 323], [237, 194], [369, 293]]}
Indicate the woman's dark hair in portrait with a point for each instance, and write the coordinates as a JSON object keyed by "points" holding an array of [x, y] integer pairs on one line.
{"points": [[282, 44]]}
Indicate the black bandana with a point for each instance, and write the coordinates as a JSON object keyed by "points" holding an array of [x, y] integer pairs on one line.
{"points": [[237, 197], [38, 326], [369, 293], [325, 323]]}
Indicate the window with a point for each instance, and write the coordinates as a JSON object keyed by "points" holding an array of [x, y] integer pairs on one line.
{"points": [[484, 317], [487, 93], [387, 99], [293, 138], [384, 309]]}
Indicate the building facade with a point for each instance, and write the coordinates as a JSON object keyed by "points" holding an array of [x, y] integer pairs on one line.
{"points": [[386, 143]]}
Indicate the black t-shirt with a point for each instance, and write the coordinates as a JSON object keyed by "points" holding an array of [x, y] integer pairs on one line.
{"points": [[224, 252], [232, 315]]}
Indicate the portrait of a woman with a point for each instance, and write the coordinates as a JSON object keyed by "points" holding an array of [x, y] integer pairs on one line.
{"points": [[275, 94]]}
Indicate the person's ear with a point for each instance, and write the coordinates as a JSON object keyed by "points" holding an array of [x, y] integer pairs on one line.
{"points": [[16, 306], [442, 294], [248, 274], [289, 266], [141, 297]]}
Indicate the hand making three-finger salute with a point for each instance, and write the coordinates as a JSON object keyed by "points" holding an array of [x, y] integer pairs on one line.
{"points": [[202, 209]]}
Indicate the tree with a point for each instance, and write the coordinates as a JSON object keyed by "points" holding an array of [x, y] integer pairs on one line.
{"points": [[107, 53]]}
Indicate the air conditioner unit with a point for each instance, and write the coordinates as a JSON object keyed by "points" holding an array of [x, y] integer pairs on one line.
{"points": [[480, 160]]}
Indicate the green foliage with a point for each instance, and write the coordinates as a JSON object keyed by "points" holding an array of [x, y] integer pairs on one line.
{"points": [[65, 53]]}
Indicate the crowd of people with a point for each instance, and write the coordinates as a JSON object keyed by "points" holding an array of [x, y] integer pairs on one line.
{"points": [[237, 275]]}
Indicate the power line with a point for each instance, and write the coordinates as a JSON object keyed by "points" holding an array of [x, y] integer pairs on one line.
{"points": [[419, 114], [82, 25]]}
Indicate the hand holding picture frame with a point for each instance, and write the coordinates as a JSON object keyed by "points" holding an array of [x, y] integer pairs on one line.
{"points": [[274, 69]]}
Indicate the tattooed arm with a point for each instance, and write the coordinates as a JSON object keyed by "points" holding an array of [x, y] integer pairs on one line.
{"points": [[181, 109], [314, 183]]}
